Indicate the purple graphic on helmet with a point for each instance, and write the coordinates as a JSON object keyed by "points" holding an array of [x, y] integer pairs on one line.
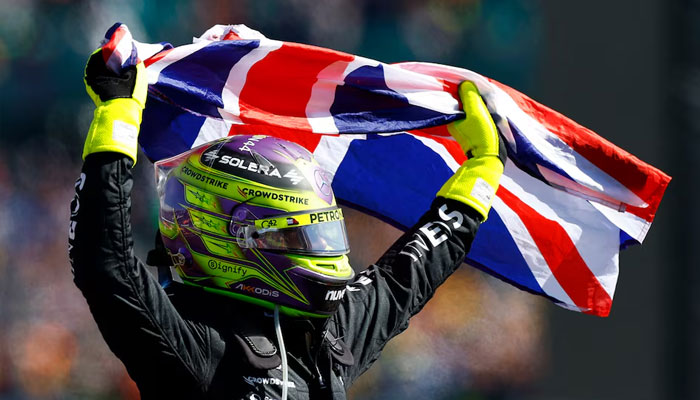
{"points": [[254, 218]]}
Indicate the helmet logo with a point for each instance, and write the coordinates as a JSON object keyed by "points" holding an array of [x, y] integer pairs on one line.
{"points": [[291, 221], [251, 142], [210, 156], [293, 176], [257, 290], [322, 182], [250, 166], [268, 223], [227, 268], [326, 216], [335, 294], [246, 192], [204, 178]]}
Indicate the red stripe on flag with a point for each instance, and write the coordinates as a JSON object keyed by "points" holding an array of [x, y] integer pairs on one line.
{"points": [[451, 88], [438, 133], [231, 35], [639, 177], [110, 46], [278, 87], [157, 57], [562, 257], [308, 140]]}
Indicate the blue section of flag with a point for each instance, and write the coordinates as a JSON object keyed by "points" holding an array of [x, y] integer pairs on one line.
{"points": [[196, 82], [111, 30], [171, 130], [366, 104], [380, 174], [626, 240], [527, 157], [495, 247]]}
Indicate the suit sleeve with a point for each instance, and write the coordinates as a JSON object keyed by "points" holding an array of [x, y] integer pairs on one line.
{"points": [[382, 299], [134, 314]]}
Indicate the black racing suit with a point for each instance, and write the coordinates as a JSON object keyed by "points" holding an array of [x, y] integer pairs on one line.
{"points": [[181, 342]]}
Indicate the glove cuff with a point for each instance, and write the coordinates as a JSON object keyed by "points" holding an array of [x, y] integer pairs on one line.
{"points": [[475, 183], [115, 128]]}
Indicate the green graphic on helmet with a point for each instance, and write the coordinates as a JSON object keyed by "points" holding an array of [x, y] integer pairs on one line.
{"points": [[254, 218]]}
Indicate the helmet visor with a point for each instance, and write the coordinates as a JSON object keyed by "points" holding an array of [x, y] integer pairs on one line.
{"points": [[320, 232]]}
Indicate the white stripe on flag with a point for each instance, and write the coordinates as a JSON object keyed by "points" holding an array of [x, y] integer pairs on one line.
{"points": [[322, 97], [147, 50], [123, 49], [595, 238], [559, 153], [212, 129], [231, 92], [331, 150], [633, 225], [531, 254], [499, 102], [420, 90], [440, 150], [174, 55], [318, 109]]}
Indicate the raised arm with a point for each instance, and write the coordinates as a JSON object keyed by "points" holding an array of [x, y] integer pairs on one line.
{"points": [[133, 313], [380, 302]]}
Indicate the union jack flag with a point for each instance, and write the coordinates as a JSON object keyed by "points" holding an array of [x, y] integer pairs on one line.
{"points": [[568, 202]]}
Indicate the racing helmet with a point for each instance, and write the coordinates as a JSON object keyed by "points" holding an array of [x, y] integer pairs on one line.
{"points": [[255, 218]]}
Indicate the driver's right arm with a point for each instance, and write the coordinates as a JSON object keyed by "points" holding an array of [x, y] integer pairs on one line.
{"points": [[132, 311]]}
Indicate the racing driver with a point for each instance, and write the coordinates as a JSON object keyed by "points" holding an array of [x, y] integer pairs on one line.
{"points": [[255, 298]]}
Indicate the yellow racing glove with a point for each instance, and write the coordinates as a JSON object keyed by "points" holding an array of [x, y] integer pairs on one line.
{"points": [[476, 181], [120, 99]]}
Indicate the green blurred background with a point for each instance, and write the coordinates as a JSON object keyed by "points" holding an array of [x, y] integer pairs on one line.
{"points": [[628, 69]]}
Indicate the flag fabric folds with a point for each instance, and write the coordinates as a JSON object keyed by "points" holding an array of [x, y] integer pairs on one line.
{"points": [[569, 200]]}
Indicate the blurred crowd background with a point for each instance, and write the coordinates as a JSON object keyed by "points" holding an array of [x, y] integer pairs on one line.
{"points": [[628, 69]]}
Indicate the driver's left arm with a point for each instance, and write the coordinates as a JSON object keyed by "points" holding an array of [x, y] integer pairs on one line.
{"points": [[382, 299]]}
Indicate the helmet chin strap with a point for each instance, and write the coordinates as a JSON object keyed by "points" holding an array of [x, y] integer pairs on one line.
{"points": [[283, 352]]}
